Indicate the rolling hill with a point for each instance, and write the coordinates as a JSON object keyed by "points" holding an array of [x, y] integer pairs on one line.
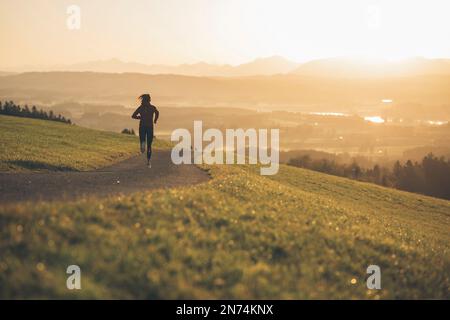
{"points": [[309, 93], [298, 234], [3, 73], [32, 144]]}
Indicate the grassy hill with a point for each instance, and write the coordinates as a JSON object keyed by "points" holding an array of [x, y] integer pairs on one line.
{"points": [[298, 234], [32, 144]]}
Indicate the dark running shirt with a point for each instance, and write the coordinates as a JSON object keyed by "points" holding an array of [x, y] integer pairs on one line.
{"points": [[146, 113]]}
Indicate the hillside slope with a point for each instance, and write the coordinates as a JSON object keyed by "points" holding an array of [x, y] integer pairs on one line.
{"points": [[299, 234], [32, 144]]}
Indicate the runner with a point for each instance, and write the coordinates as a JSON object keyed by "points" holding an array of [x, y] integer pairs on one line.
{"points": [[147, 114]]}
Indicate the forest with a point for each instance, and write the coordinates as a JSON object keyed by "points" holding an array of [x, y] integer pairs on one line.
{"points": [[11, 109], [431, 176]]}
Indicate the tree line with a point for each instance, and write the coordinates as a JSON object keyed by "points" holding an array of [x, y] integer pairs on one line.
{"points": [[431, 176], [11, 109]]}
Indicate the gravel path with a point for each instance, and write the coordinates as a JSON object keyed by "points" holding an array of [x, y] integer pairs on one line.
{"points": [[128, 176]]}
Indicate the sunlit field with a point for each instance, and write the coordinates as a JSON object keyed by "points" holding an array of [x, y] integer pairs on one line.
{"points": [[299, 234], [240, 152]]}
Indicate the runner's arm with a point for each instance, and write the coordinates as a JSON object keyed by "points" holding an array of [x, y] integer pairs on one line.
{"points": [[156, 115], [136, 113]]}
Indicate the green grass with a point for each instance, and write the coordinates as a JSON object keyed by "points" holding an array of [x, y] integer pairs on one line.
{"points": [[31, 144], [299, 234]]}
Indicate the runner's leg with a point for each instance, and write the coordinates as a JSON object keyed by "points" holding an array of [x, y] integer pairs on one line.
{"points": [[142, 138], [149, 142]]}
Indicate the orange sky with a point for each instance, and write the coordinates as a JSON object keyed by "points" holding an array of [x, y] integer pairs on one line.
{"points": [[220, 31]]}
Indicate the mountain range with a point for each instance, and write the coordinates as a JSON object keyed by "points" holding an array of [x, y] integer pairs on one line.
{"points": [[360, 68], [331, 67], [261, 66]]}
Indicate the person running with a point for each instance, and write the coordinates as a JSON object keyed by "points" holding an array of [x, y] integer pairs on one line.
{"points": [[147, 114]]}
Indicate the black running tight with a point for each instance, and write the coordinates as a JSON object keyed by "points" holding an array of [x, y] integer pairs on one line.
{"points": [[146, 133]]}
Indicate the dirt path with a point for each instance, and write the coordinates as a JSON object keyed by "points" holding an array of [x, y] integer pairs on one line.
{"points": [[128, 176]]}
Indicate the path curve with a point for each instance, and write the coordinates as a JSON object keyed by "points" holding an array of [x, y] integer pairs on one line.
{"points": [[125, 177]]}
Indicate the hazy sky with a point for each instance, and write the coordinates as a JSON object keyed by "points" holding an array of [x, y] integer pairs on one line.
{"points": [[35, 32]]}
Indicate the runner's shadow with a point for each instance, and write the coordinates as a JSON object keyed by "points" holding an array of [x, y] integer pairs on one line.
{"points": [[37, 165]]}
